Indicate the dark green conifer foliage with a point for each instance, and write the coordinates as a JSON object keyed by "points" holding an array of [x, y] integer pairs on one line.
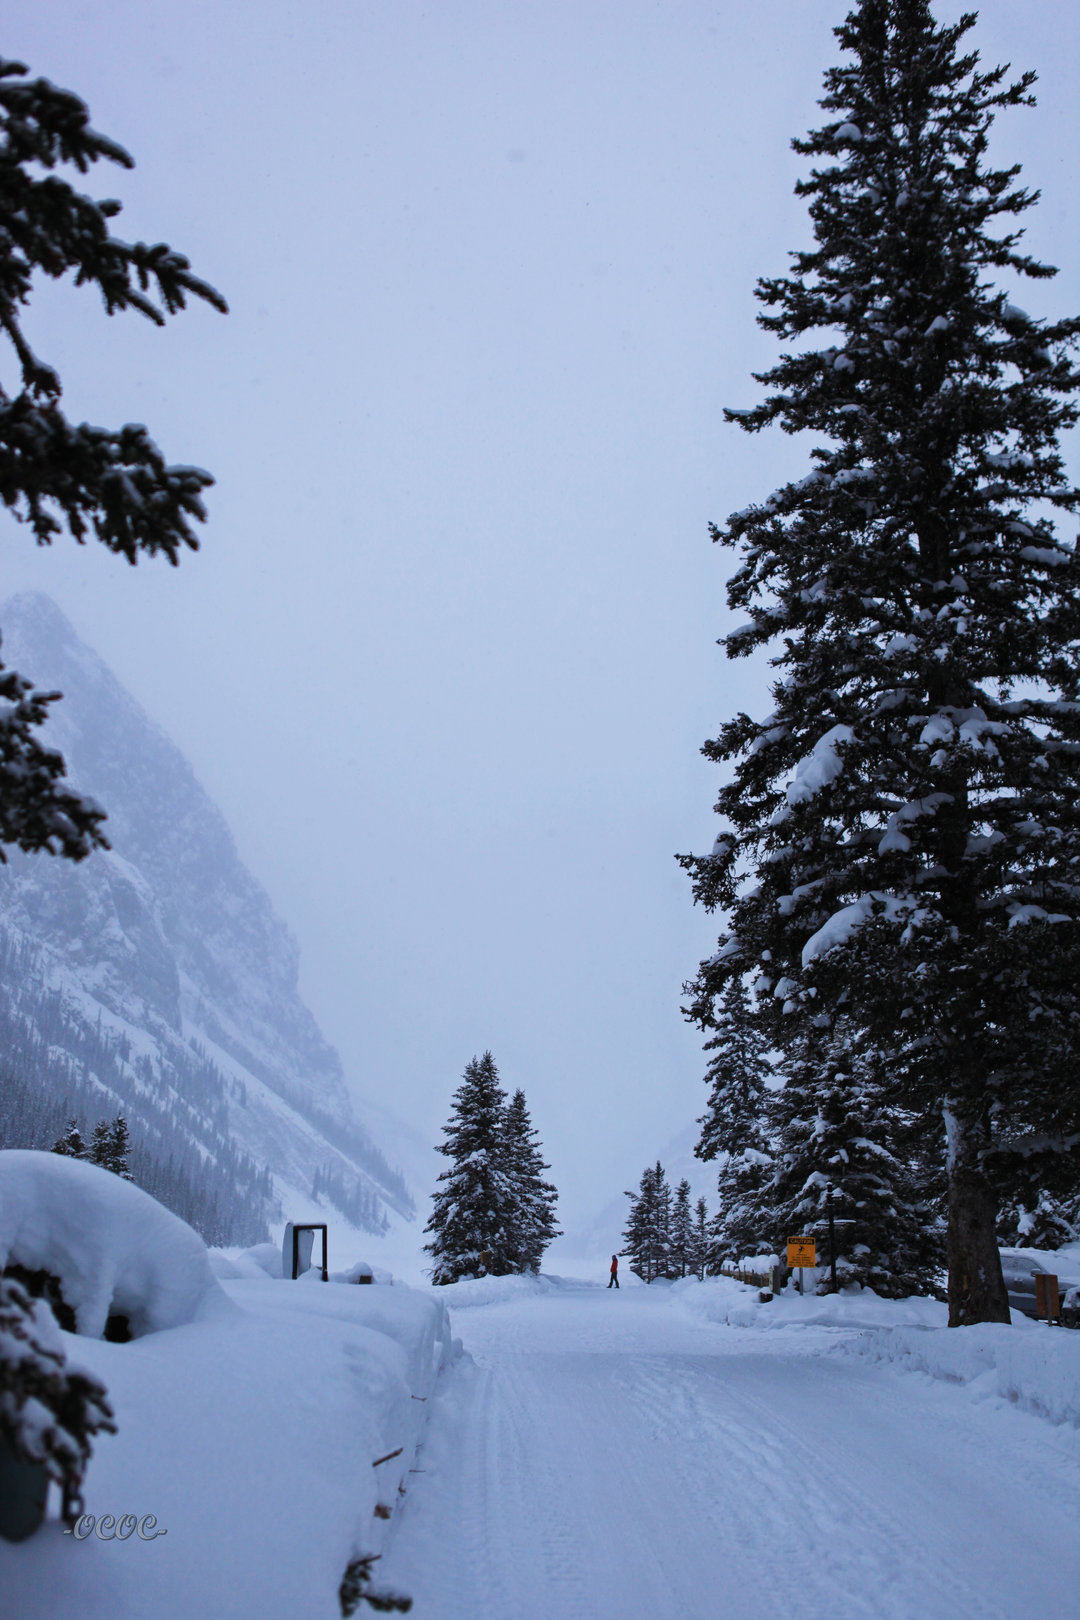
{"points": [[744, 1223], [110, 1146], [533, 1199], [910, 810], [737, 1075], [114, 483], [100, 1150], [647, 1238], [71, 1144], [472, 1219], [735, 1128], [833, 1128], [702, 1242], [682, 1232]]}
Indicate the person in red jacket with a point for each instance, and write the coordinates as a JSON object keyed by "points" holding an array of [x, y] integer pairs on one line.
{"points": [[613, 1281]]}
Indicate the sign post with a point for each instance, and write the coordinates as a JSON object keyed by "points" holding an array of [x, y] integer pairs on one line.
{"points": [[801, 1251], [1047, 1296]]}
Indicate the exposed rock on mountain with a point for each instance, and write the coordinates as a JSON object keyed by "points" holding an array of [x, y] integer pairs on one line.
{"points": [[156, 977]]}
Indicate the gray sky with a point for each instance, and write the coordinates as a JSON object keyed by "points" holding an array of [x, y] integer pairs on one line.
{"points": [[448, 653]]}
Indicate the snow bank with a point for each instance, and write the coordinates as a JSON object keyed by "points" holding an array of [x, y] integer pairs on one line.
{"points": [[1029, 1364], [493, 1290], [722, 1300], [115, 1250], [273, 1443]]}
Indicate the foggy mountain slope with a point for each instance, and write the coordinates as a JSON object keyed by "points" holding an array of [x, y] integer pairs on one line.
{"points": [[169, 945], [597, 1237]]}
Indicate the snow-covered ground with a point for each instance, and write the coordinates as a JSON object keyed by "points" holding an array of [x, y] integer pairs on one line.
{"points": [[251, 1438], [251, 1412], [633, 1454], [664, 1453]]}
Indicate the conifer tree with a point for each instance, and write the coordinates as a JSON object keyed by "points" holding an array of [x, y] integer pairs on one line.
{"points": [[100, 1149], [71, 1144], [909, 812], [682, 1231], [701, 1239], [472, 1219], [119, 1148], [735, 1127], [533, 1200], [837, 1140], [55, 474], [647, 1237], [738, 1076], [744, 1223]]}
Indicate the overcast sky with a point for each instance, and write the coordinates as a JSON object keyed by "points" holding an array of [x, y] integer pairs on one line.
{"points": [[448, 654]]}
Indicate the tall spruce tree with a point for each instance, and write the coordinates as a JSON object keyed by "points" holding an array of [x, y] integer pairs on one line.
{"points": [[909, 811], [702, 1244], [647, 1237], [682, 1231], [472, 1221], [533, 1200]]}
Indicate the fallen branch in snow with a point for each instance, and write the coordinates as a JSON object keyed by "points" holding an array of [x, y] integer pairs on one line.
{"points": [[387, 1458], [355, 1589]]}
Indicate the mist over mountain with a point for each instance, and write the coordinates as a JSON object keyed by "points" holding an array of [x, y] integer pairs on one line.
{"points": [[155, 978]]}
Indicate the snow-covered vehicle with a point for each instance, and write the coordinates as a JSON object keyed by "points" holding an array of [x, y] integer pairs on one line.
{"points": [[1020, 1270]]}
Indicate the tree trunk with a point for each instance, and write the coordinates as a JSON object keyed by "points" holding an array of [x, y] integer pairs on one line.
{"points": [[976, 1285]]}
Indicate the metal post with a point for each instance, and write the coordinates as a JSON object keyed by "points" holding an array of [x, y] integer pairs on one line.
{"points": [[832, 1239]]}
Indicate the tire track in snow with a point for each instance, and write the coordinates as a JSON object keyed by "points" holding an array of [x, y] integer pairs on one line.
{"points": [[657, 1468]]}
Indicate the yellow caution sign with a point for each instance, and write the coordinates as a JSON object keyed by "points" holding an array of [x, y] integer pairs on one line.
{"points": [[801, 1251]]}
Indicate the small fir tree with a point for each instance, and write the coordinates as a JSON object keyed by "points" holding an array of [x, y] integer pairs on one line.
{"points": [[472, 1222], [533, 1199], [908, 813], [71, 1144], [100, 1150]]}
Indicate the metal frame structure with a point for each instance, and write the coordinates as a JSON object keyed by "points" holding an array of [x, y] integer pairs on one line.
{"points": [[308, 1226]]}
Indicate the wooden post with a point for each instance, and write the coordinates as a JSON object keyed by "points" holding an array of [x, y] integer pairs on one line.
{"points": [[1047, 1296]]}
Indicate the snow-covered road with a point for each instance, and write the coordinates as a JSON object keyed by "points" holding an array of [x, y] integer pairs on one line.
{"points": [[606, 1456]]}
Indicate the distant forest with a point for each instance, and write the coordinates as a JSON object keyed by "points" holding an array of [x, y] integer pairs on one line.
{"points": [[55, 1067]]}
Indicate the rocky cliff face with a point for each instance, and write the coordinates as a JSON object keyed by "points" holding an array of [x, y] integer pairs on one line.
{"points": [[167, 941]]}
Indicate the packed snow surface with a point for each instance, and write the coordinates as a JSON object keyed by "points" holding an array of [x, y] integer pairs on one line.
{"points": [[635, 1456], [114, 1249], [254, 1438], [678, 1452]]}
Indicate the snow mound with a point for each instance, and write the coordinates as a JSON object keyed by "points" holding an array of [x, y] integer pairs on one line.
{"points": [[263, 1260], [115, 1250], [493, 1290], [1028, 1364], [723, 1300]]}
